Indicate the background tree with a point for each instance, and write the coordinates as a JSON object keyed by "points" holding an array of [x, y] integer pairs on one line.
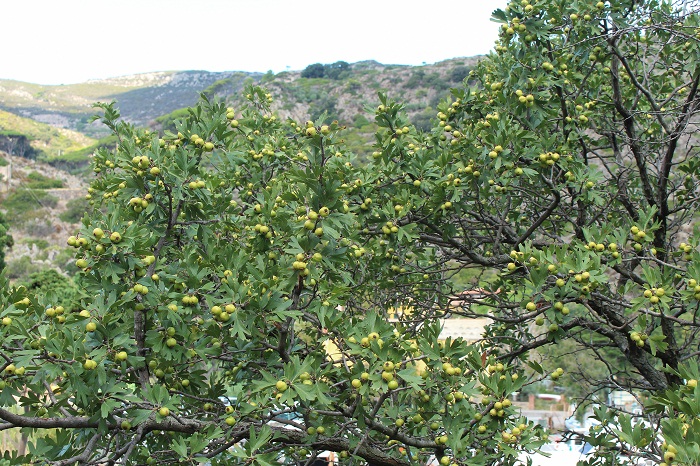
{"points": [[458, 73], [58, 288], [315, 70], [336, 70]]}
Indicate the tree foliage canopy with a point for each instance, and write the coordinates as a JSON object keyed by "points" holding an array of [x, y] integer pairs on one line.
{"points": [[250, 295], [331, 71]]}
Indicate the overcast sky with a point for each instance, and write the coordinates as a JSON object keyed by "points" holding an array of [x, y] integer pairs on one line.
{"points": [[70, 41]]}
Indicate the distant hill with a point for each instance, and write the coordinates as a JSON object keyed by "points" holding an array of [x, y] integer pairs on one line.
{"points": [[141, 97], [27, 137], [156, 99]]}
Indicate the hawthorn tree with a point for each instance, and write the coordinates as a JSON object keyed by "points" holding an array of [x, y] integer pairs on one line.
{"points": [[572, 172], [232, 301], [248, 294]]}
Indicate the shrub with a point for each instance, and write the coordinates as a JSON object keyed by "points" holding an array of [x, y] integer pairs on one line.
{"points": [[38, 181], [75, 210], [57, 288], [22, 267], [458, 73], [39, 242], [25, 200]]}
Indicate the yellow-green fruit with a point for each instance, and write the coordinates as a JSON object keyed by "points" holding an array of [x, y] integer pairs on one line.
{"points": [[281, 386], [89, 364], [164, 411]]}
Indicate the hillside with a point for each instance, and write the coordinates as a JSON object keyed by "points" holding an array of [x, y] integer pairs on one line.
{"points": [[43, 205], [351, 95], [347, 94], [28, 137], [141, 97], [155, 98]]}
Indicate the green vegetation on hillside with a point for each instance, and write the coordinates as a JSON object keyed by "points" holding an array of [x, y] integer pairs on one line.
{"points": [[167, 122], [21, 203], [76, 209], [38, 181], [46, 141], [78, 160], [57, 288]]}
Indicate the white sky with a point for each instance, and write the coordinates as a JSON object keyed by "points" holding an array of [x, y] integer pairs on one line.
{"points": [[70, 41]]}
